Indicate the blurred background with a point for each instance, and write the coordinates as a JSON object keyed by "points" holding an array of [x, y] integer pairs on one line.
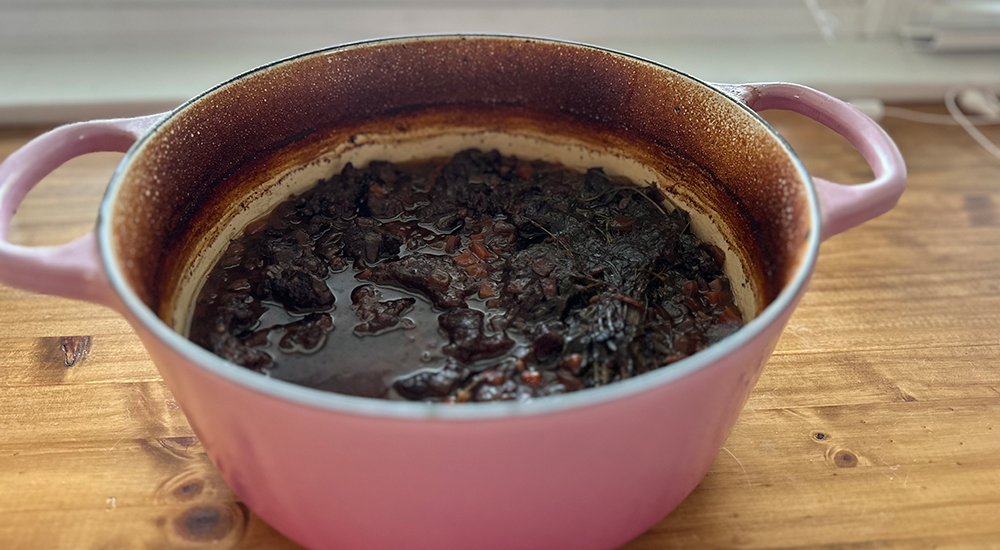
{"points": [[63, 60]]}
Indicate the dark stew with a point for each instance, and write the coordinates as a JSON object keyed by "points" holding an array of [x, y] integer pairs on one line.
{"points": [[477, 278]]}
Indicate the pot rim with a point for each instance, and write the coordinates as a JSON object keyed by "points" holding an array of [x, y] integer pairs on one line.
{"points": [[382, 408]]}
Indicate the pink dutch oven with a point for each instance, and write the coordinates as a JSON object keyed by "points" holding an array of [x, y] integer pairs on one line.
{"points": [[586, 470]]}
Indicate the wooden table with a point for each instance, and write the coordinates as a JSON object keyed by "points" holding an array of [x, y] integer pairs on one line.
{"points": [[875, 425]]}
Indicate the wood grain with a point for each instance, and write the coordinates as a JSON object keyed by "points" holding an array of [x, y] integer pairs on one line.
{"points": [[875, 424]]}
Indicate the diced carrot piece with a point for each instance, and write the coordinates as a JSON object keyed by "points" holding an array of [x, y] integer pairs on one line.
{"points": [[477, 271], [465, 259], [481, 251], [571, 362], [729, 316], [487, 290], [532, 378]]}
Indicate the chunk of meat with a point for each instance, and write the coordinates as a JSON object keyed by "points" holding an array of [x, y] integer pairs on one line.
{"points": [[307, 335], [232, 349], [238, 311], [467, 339], [540, 281], [378, 315], [371, 244], [298, 291], [291, 250], [422, 273], [431, 383], [329, 247], [546, 342], [336, 197]]}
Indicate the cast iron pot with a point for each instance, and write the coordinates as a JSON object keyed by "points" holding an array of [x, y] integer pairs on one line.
{"points": [[586, 470]]}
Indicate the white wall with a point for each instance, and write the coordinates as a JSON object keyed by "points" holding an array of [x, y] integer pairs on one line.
{"points": [[65, 59]]}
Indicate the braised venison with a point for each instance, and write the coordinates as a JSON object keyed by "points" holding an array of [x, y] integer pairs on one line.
{"points": [[477, 278]]}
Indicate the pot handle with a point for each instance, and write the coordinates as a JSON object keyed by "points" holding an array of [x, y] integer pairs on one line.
{"points": [[72, 270], [842, 206]]}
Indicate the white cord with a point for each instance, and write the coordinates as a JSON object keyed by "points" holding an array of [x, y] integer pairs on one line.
{"points": [[965, 123], [934, 118]]}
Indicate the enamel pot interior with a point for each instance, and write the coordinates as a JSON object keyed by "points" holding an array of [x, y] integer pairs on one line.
{"points": [[230, 155]]}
